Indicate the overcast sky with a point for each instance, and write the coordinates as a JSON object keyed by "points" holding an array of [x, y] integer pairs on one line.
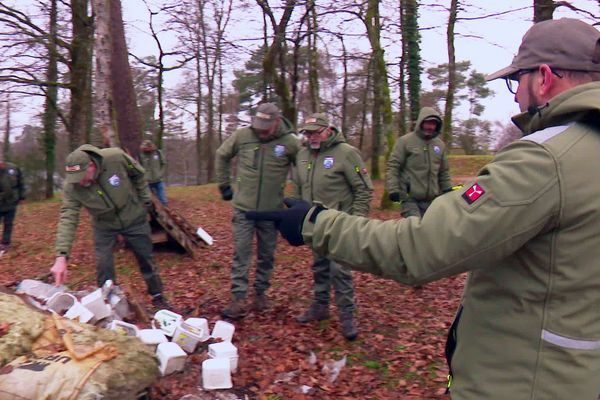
{"points": [[488, 43]]}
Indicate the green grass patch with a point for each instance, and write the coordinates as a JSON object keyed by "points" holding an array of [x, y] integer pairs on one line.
{"points": [[461, 165]]}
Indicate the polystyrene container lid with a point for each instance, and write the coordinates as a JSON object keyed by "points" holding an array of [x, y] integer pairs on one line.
{"points": [[152, 336]]}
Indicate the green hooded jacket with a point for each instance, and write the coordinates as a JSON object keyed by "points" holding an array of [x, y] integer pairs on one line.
{"points": [[418, 166], [334, 175], [154, 165], [262, 166], [528, 230], [116, 200], [12, 189]]}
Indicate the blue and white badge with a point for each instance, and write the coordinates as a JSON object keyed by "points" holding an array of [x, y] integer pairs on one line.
{"points": [[328, 162], [437, 149], [279, 150], [12, 171], [114, 180], [155, 156]]}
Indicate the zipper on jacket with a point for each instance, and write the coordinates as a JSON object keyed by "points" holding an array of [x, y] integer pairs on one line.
{"points": [[256, 155], [312, 175], [427, 156], [362, 178], [451, 342], [260, 176]]}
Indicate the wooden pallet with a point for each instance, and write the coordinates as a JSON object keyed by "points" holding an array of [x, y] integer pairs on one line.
{"points": [[168, 225]]}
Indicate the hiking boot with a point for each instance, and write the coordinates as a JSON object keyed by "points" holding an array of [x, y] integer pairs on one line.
{"points": [[235, 310], [316, 312], [348, 327], [260, 303], [160, 302]]}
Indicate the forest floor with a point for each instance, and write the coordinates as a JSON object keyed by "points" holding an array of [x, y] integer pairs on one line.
{"points": [[399, 353]]}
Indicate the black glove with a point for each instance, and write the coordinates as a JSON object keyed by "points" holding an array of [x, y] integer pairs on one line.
{"points": [[226, 192], [395, 197], [289, 222]]}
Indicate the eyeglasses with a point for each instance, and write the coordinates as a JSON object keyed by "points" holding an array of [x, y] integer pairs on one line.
{"points": [[310, 133], [512, 81]]}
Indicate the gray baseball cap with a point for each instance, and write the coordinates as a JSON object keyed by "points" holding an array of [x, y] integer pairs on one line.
{"points": [[564, 43], [316, 122], [265, 114]]}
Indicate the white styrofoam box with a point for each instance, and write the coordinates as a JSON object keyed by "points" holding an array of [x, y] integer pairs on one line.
{"points": [[79, 311], [152, 337], [188, 336], [216, 374], [167, 321], [200, 323], [223, 330], [61, 302], [224, 350], [124, 328], [95, 303], [202, 234], [171, 358]]}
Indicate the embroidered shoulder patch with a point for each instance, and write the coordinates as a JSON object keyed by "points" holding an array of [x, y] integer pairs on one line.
{"points": [[473, 193]]}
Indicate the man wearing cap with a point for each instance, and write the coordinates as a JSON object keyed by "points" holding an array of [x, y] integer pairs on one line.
{"points": [[331, 172], [527, 229], [153, 161], [12, 191], [264, 152], [417, 170], [111, 186]]}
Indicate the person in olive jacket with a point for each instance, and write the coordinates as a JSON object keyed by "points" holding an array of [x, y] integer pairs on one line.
{"points": [[331, 172], [12, 191], [417, 170], [153, 161], [527, 230], [264, 153], [111, 186]]}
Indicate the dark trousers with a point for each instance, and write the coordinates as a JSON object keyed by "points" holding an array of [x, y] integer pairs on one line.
{"points": [[414, 208], [8, 217], [139, 240], [327, 273], [266, 242]]}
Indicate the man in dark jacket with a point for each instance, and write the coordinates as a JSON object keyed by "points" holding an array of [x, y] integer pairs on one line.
{"points": [[417, 170], [12, 191], [111, 186]]}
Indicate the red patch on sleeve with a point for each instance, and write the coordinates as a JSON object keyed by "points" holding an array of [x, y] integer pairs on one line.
{"points": [[473, 193]]}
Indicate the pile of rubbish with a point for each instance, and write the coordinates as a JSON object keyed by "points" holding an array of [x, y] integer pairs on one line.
{"points": [[79, 345]]}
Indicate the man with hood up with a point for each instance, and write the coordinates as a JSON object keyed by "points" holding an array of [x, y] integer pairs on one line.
{"points": [[111, 186], [264, 152], [331, 172], [417, 170]]}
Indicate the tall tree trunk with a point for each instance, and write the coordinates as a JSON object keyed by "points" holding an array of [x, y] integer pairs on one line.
{"points": [[123, 94], [80, 112], [344, 125], [198, 116], [50, 109], [7, 129], [274, 65], [449, 106], [402, 128], [313, 57], [543, 10], [382, 105], [411, 35]]}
